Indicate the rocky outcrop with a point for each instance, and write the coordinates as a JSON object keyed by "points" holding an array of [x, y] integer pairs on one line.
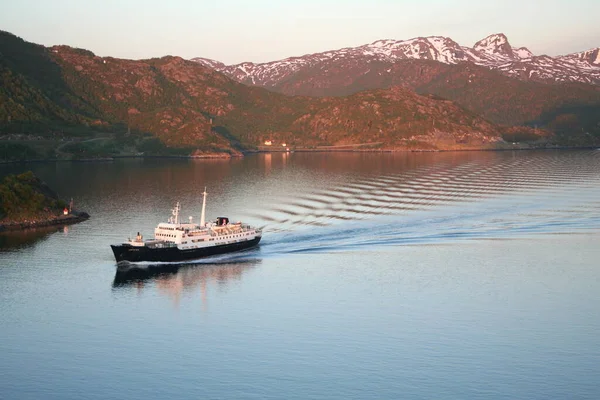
{"points": [[27, 202]]}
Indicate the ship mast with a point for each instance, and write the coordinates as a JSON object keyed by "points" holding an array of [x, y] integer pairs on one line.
{"points": [[202, 216], [176, 213]]}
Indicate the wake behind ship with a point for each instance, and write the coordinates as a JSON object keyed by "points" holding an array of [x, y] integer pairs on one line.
{"points": [[176, 241]]}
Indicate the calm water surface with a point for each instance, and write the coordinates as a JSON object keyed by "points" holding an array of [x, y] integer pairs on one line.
{"points": [[446, 276]]}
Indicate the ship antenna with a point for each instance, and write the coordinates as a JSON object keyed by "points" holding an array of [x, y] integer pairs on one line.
{"points": [[202, 216]]}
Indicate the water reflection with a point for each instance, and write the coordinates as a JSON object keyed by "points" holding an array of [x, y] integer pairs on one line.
{"points": [[175, 279], [14, 240]]}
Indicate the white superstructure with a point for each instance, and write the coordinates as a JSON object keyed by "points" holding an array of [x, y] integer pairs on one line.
{"points": [[190, 236]]}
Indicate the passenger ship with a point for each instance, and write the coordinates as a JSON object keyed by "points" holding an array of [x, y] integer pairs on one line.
{"points": [[177, 241]]}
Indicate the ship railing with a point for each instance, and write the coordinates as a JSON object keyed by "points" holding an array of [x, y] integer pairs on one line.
{"points": [[224, 231], [197, 233]]}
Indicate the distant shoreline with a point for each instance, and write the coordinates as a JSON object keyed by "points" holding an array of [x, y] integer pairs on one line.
{"points": [[300, 150]]}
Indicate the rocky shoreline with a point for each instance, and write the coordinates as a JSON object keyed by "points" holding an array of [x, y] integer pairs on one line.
{"points": [[72, 218]]}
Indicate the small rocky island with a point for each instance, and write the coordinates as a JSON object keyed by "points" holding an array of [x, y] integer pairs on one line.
{"points": [[27, 202]]}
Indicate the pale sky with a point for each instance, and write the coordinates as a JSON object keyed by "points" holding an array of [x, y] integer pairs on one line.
{"points": [[232, 31]]}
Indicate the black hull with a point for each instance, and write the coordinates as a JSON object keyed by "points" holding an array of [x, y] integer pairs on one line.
{"points": [[126, 252]]}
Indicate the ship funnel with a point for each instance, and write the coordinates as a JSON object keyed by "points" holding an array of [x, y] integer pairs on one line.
{"points": [[202, 216]]}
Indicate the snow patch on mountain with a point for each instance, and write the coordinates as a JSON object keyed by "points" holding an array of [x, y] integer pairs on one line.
{"points": [[207, 62], [522, 52], [590, 56]]}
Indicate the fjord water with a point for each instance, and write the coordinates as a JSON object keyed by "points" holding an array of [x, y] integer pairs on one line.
{"points": [[380, 276]]}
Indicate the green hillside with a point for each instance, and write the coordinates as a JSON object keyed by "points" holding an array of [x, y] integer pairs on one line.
{"points": [[25, 197]]}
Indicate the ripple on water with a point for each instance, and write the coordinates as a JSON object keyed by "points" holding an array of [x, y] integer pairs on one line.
{"points": [[540, 194]]}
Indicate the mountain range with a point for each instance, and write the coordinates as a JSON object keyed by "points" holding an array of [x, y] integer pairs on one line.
{"points": [[506, 85], [493, 52], [81, 105]]}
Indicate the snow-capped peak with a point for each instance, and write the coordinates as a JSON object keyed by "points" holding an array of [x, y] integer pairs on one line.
{"points": [[437, 48], [592, 56], [494, 44]]}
